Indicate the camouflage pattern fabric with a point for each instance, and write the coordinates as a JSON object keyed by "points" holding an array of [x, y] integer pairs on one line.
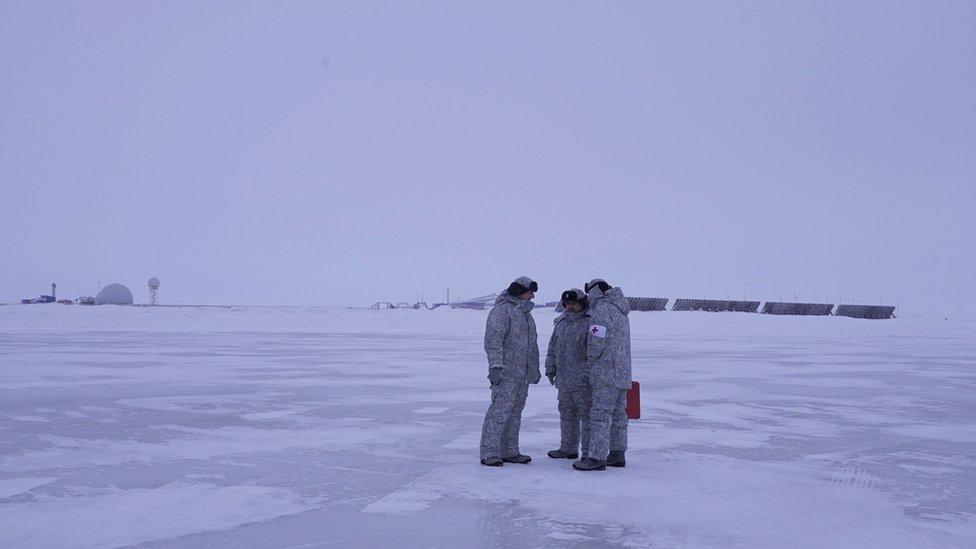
{"points": [[574, 420], [566, 355], [608, 359], [566, 359], [608, 422], [511, 343], [511, 340], [608, 340], [500, 432]]}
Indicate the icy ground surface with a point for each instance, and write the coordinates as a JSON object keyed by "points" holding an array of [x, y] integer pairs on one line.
{"points": [[277, 427]]}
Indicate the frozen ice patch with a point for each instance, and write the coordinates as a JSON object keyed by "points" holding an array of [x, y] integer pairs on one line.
{"points": [[958, 433], [409, 500], [75, 414], [35, 419], [128, 517], [469, 441], [16, 486], [277, 414], [431, 410], [565, 536]]}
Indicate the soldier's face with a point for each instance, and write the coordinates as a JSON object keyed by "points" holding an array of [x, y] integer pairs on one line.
{"points": [[527, 295], [574, 307]]}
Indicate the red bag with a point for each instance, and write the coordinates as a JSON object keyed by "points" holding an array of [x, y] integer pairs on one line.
{"points": [[633, 400]]}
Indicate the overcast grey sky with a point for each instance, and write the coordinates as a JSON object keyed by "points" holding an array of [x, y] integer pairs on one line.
{"points": [[340, 153]]}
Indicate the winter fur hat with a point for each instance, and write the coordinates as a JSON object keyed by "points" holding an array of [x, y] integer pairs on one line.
{"points": [[597, 283], [575, 295], [521, 285]]}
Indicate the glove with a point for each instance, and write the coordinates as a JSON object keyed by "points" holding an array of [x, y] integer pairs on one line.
{"points": [[552, 378], [494, 375]]}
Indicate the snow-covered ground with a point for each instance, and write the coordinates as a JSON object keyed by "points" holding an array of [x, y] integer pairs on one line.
{"points": [[307, 427]]}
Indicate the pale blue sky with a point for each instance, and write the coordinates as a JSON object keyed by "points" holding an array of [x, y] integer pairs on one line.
{"points": [[340, 153]]}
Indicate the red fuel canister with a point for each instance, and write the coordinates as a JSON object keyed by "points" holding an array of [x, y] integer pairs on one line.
{"points": [[633, 400]]}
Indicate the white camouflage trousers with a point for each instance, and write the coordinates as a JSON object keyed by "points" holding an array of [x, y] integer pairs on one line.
{"points": [[608, 421], [500, 433], [574, 417]]}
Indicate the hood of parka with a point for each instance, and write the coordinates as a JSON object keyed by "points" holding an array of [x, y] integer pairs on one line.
{"points": [[524, 305], [614, 295], [619, 300]]}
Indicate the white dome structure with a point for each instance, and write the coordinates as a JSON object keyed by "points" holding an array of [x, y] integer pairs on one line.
{"points": [[153, 282], [114, 294]]}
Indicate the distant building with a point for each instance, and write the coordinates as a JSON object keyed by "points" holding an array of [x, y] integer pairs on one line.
{"points": [[477, 303], [114, 294], [44, 298]]}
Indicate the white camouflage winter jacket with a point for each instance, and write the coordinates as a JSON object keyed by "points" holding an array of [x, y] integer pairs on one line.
{"points": [[608, 339], [511, 340], [566, 355]]}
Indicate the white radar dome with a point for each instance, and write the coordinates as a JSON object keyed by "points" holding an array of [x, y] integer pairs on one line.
{"points": [[114, 294]]}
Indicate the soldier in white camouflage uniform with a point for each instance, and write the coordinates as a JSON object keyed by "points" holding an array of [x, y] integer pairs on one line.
{"points": [[512, 346], [608, 361], [566, 369]]}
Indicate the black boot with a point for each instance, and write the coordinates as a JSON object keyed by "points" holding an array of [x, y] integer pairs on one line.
{"points": [[561, 454], [590, 464], [616, 459], [492, 462], [517, 458]]}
